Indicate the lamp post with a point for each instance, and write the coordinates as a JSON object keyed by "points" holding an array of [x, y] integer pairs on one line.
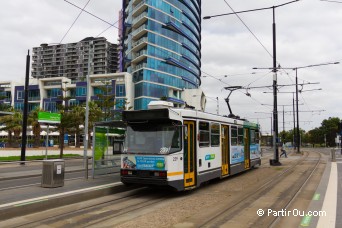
{"points": [[25, 115], [85, 140], [275, 161]]}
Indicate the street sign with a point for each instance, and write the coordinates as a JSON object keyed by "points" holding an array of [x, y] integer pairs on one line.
{"points": [[47, 117]]}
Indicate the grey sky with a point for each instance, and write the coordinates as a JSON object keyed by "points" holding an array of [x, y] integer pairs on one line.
{"points": [[308, 32]]}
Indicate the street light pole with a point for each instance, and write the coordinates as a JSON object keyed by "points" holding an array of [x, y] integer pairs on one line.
{"points": [[275, 103], [298, 133], [85, 140], [275, 161]]}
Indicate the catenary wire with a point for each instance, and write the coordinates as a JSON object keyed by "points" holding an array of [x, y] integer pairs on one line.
{"points": [[74, 22], [112, 25]]}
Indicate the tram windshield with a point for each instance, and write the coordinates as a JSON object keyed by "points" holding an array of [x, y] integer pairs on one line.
{"points": [[153, 138]]}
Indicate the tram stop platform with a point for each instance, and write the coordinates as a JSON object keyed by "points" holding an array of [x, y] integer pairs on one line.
{"points": [[327, 200], [29, 198]]}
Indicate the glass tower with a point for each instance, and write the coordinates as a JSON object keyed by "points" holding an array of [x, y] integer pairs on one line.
{"points": [[161, 48]]}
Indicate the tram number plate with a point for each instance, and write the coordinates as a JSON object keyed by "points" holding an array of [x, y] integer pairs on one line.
{"points": [[188, 180]]}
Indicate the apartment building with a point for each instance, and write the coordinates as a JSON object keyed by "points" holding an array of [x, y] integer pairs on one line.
{"points": [[160, 43], [72, 60]]}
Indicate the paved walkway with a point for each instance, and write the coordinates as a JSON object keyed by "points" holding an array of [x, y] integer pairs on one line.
{"points": [[325, 209]]}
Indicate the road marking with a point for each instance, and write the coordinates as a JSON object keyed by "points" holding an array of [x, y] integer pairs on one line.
{"points": [[306, 220], [317, 196], [330, 200], [44, 198]]}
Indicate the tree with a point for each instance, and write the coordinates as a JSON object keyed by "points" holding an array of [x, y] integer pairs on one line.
{"points": [[36, 128], [106, 101], [330, 129], [66, 121], [12, 124], [77, 117], [95, 115]]}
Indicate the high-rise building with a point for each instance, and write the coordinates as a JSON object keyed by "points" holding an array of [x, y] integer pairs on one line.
{"points": [[161, 48], [71, 60]]}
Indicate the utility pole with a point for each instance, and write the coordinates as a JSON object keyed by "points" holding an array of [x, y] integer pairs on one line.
{"points": [[24, 132], [86, 124], [298, 133]]}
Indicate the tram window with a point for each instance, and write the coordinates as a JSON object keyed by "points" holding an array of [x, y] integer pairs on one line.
{"points": [[204, 134], [240, 136], [253, 139], [257, 137], [234, 136], [215, 134]]}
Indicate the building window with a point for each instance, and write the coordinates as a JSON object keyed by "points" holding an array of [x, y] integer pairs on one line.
{"points": [[120, 90], [81, 91], [20, 95]]}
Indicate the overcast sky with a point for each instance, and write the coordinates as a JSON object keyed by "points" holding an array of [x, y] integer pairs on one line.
{"points": [[308, 32]]}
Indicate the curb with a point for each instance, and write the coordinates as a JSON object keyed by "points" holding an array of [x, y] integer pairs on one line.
{"points": [[20, 208]]}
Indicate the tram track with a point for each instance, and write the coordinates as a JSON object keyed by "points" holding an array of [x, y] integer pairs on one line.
{"points": [[93, 212], [251, 201]]}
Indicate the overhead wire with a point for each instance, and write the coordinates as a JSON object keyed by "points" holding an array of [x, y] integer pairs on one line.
{"points": [[74, 22], [113, 25]]}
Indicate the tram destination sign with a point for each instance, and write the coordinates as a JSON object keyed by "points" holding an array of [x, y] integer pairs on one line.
{"points": [[47, 117]]}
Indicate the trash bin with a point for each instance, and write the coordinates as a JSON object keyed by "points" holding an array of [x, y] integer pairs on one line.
{"points": [[53, 173]]}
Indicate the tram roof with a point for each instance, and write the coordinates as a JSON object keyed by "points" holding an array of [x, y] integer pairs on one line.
{"points": [[213, 117]]}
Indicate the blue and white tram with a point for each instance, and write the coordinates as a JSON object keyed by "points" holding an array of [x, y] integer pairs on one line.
{"points": [[184, 148]]}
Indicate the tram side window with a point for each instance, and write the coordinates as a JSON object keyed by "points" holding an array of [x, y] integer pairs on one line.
{"points": [[253, 138], [204, 134], [240, 136], [257, 137], [234, 135], [215, 134]]}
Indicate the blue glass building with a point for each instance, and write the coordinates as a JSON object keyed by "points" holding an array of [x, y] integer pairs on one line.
{"points": [[161, 48]]}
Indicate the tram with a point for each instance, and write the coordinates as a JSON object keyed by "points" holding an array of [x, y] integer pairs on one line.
{"points": [[183, 148]]}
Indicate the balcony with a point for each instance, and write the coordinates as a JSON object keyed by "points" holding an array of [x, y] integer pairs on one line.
{"points": [[139, 66], [136, 2], [139, 32], [141, 7], [136, 46], [138, 57], [139, 20]]}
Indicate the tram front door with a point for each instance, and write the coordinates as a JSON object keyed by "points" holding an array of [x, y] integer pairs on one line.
{"points": [[189, 153], [247, 148]]}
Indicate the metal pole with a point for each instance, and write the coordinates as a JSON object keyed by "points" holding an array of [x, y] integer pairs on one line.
{"points": [[275, 111], [341, 136], [294, 121], [47, 142], [298, 134], [24, 132], [283, 122], [217, 105], [85, 140]]}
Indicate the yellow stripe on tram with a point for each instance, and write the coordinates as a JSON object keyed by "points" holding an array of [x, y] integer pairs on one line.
{"points": [[175, 173]]}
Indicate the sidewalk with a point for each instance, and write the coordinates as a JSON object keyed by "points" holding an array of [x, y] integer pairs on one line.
{"points": [[6, 152]]}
